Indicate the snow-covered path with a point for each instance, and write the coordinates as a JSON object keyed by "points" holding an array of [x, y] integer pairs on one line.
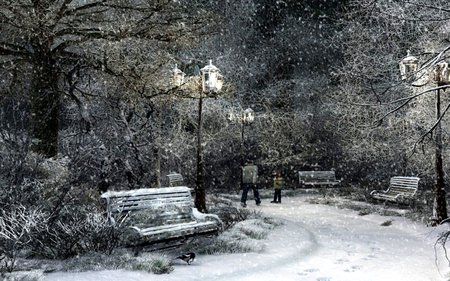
{"points": [[316, 243]]}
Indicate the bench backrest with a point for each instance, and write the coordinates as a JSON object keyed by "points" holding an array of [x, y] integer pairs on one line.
{"points": [[407, 185], [317, 175], [158, 206], [175, 179]]}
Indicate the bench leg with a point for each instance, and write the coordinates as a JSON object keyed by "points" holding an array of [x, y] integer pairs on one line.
{"points": [[136, 250]]}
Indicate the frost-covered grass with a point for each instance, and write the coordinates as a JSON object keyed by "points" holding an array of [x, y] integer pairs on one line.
{"points": [[33, 275], [98, 261], [242, 237], [158, 264], [121, 259], [155, 263], [418, 211]]}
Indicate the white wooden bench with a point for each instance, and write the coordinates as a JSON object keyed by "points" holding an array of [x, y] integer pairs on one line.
{"points": [[158, 214], [317, 178], [175, 179], [400, 189]]}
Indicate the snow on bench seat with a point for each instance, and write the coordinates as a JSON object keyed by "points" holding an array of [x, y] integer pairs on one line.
{"points": [[158, 214]]}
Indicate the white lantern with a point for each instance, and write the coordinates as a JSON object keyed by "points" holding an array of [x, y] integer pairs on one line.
{"points": [[408, 65], [178, 76], [212, 80], [248, 116]]}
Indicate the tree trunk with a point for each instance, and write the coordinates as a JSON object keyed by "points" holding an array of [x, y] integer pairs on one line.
{"points": [[44, 107], [156, 152]]}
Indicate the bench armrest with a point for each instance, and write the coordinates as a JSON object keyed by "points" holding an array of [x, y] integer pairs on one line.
{"points": [[206, 217]]}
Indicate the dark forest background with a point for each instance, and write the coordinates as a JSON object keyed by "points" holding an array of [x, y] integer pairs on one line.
{"points": [[87, 104]]}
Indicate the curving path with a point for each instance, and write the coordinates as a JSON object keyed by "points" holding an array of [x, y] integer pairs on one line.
{"points": [[316, 243]]}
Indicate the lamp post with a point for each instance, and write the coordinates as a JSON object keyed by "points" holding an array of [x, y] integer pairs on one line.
{"points": [[212, 82], [245, 117], [409, 66]]}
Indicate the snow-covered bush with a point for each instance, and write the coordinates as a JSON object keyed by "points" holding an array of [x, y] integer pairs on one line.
{"points": [[254, 228], [242, 237], [77, 231], [18, 225], [229, 214]]}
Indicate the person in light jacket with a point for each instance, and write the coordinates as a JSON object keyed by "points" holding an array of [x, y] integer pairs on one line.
{"points": [[249, 178]]}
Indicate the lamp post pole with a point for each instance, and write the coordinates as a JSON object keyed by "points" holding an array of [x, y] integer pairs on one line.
{"points": [[244, 117], [440, 200], [243, 149], [212, 82], [200, 196]]}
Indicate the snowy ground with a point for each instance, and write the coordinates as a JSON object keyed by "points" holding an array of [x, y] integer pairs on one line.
{"points": [[316, 243]]}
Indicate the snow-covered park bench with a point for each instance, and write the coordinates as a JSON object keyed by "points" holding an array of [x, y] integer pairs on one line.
{"points": [[400, 190], [158, 214], [317, 178], [175, 179]]}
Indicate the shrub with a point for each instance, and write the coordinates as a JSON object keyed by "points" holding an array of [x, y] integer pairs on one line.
{"points": [[17, 227], [77, 231]]}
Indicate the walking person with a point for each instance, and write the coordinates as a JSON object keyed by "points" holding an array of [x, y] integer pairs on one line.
{"points": [[249, 178], [278, 183]]}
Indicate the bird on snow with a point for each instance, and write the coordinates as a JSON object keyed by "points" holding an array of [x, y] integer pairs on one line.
{"points": [[189, 257]]}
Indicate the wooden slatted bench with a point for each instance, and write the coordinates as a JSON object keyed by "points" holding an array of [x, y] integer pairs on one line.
{"points": [[317, 178], [175, 179], [400, 190], [158, 214]]}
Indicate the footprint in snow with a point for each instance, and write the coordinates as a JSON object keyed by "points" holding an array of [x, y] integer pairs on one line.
{"points": [[311, 270], [341, 261], [369, 257], [353, 268]]}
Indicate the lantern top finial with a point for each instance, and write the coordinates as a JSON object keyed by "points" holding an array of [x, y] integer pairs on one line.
{"points": [[176, 70], [409, 58], [210, 67]]}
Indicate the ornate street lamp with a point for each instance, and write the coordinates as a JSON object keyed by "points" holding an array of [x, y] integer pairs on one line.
{"points": [[212, 82], [409, 67], [178, 76], [248, 116]]}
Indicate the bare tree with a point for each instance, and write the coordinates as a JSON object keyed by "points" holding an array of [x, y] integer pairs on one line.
{"points": [[45, 42]]}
